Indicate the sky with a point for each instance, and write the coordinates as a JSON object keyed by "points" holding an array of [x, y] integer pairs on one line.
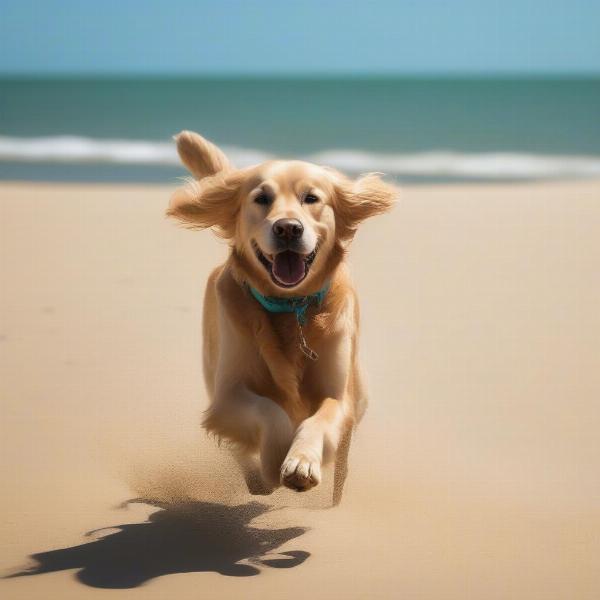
{"points": [[289, 37]]}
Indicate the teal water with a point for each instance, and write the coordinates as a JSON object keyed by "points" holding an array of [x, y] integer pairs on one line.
{"points": [[296, 117]]}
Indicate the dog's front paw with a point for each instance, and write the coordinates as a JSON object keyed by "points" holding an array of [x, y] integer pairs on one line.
{"points": [[300, 473]]}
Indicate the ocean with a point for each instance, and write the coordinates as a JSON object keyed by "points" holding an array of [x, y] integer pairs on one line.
{"points": [[412, 129]]}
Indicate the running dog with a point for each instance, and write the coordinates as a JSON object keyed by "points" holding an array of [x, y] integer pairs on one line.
{"points": [[280, 315]]}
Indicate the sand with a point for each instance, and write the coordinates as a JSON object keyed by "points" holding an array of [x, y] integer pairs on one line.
{"points": [[475, 474]]}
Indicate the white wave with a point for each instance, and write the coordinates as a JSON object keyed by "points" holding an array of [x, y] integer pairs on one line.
{"points": [[492, 165], [74, 149], [71, 149]]}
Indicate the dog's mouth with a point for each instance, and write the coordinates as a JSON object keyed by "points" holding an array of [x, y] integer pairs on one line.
{"points": [[287, 268]]}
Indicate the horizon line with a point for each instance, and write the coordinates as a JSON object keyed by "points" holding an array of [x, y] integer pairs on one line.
{"points": [[316, 75]]}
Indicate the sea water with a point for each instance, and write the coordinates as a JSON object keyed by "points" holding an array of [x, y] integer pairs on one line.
{"points": [[412, 129]]}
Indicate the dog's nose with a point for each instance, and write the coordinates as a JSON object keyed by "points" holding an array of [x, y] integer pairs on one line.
{"points": [[288, 229]]}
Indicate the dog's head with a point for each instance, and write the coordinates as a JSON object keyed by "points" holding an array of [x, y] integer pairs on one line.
{"points": [[287, 221]]}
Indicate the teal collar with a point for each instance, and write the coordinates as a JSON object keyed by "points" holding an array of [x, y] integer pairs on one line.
{"points": [[297, 305]]}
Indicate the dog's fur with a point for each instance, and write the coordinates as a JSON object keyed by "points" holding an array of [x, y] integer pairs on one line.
{"points": [[267, 398]]}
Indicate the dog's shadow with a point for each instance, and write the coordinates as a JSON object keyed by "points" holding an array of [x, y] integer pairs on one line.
{"points": [[179, 538]]}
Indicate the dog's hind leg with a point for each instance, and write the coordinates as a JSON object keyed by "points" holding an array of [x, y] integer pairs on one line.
{"points": [[340, 471], [252, 473], [255, 424]]}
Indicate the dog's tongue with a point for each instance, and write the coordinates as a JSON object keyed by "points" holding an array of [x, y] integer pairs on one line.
{"points": [[288, 267]]}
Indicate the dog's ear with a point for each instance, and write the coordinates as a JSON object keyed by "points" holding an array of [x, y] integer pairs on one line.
{"points": [[213, 202], [201, 157], [358, 200]]}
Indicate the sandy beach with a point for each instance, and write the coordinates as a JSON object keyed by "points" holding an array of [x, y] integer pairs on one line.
{"points": [[474, 475]]}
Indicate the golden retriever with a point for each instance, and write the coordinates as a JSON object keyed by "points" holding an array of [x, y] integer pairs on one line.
{"points": [[280, 315]]}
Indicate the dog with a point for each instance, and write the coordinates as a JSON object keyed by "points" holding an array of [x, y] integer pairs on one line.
{"points": [[281, 316]]}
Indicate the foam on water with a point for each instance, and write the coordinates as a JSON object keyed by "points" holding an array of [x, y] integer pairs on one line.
{"points": [[449, 164]]}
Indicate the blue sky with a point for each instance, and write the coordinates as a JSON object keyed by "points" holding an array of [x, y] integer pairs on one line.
{"points": [[302, 36]]}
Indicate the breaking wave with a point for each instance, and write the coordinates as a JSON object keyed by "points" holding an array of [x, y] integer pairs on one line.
{"points": [[448, 164]]}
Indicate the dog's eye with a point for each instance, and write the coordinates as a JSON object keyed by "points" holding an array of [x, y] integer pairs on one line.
{"points": [[262, 199], [310, 199]]}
